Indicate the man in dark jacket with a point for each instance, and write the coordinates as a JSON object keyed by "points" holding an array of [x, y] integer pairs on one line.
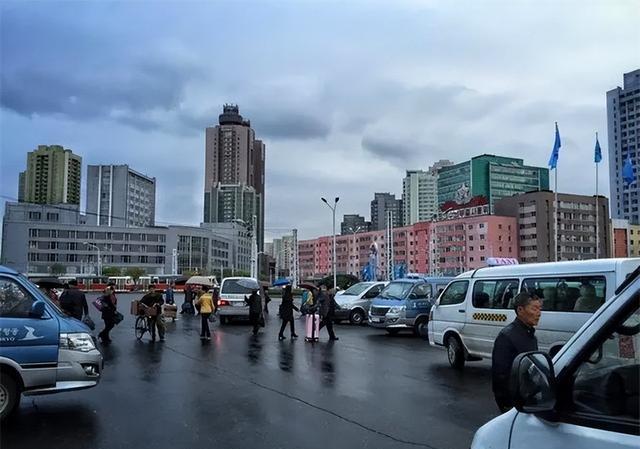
{"points": [[108, 315], [286, 313], [514, 339], [255, 310], [154, 299], [327, 303], [73, 301]]}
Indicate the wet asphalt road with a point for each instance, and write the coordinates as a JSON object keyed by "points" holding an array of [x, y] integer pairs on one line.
{"points": [[367, 390]]}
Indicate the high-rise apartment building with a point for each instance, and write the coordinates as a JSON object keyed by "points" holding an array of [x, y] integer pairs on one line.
{"points": [[383, 202], [354, 223], [420, 193], [623, 124], [234, 172], [576, 226], [52, 176], [119, 196], [491, 177]]}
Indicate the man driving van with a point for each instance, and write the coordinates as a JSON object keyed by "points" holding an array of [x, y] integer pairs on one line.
{"points": [[514, 339]]}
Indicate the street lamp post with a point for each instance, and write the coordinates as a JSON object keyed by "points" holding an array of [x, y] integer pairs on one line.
{"points": [[354, 232], [97, 248], [333, 210]]}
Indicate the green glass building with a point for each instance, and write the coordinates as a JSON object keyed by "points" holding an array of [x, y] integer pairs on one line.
{"points": [[489, 176]]}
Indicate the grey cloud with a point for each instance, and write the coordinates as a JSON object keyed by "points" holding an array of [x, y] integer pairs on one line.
{"points": [[147, 86], [398, 151], [289, 125]]}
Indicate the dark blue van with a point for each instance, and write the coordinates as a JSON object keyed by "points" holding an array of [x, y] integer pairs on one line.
{"points": [[404, 304], [42, 350]]}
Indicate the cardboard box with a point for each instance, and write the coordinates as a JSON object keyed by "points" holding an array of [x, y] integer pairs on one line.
{"points": [[135, 307], [170, 311]]}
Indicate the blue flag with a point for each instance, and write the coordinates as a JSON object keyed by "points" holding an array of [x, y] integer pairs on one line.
{"points": [[597, 157], [627, 172], [553, 160]]}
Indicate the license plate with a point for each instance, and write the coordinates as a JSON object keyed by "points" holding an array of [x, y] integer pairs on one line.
{"points": [[376, 320], [237, 304]]}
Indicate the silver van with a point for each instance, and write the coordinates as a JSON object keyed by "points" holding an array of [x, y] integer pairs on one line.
{"points": [[231, 303], [587, 397], [477, 304], [354, 302]]}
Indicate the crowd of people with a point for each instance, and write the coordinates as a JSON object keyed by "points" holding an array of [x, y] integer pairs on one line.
{"points": [[514, 339]]}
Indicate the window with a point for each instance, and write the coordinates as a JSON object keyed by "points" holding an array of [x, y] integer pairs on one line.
{"points": [[455, 293], [604, 388], [422, 291], [34, 215], [15, 302], [568, 294], [496, 294]]}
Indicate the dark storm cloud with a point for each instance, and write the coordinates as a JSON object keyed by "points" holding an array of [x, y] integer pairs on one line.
{"points": [[88, 95], [290, 125], [390, 149]]}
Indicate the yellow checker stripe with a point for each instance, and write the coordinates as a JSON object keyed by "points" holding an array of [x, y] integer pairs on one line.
{"points": [[499, 317]]}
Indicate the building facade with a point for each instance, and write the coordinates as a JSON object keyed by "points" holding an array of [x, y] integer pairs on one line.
{"points": [[620, 238], [38, 237], [420, 193], [623, 125], [576, 226], [445, 247], [383, 202], [119, 196], [491, 177], [234, 168], [53, 176], [354, 223]]}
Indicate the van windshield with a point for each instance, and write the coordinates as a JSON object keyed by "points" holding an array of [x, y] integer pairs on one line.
{"points": [[231, 286], [396, 290]]}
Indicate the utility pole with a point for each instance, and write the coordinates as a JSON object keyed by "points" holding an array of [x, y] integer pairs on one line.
{"points": [[254, 247], [389, 253], [296, 261]]}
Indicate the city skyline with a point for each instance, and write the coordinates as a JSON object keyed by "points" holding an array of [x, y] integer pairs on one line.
{"points": [[427, 92]]}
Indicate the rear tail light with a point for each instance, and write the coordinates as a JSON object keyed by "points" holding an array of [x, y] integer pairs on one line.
{"points": [[223, 302]]}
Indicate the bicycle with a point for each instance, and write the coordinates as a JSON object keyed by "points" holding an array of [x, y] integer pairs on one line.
{"points": [[144, 322]]}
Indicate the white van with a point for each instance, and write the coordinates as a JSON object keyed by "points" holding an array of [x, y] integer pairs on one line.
{"points": [[231, 304], [477, 304], [588, 396]]}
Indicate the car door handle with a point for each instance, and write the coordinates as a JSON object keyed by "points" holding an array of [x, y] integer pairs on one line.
{"points": [[461, 310]]}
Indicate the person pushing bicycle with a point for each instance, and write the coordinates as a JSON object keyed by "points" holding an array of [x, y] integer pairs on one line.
{"points": [[154, 299]]}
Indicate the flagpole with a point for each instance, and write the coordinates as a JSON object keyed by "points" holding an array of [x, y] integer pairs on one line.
{"points": [[556, 215]]}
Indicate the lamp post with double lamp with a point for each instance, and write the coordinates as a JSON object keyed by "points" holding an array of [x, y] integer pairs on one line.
{"points": [[333, 209], [97, 248]]}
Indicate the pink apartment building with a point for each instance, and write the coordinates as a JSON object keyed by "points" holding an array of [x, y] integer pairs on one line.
{"points": [[438, 248]]}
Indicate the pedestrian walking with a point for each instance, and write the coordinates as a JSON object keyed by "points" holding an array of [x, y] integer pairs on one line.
{"points": [[267, 300], [108, 315], [327, 304], [73, 302], [187, 305], [154, 299], [114, 298], [286, 313], [255, 310], [514, 339], [206, 305], [168, 295]]}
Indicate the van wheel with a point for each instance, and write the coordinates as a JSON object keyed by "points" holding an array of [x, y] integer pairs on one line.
{"points": [[455, 353], [356, 317], [9, 395], [421, 329]]}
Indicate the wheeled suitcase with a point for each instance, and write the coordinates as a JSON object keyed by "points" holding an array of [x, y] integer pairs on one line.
{"points": [[312, 328]]}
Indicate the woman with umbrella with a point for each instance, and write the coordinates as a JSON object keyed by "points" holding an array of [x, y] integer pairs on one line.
{"points": [[286, 313]]}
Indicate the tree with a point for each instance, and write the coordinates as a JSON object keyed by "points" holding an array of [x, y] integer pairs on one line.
{"points": [[57, 268], [111, 271], [135, 273]]}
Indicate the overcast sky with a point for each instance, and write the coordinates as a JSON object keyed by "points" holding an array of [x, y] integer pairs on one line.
{"points": [[346, 95]]}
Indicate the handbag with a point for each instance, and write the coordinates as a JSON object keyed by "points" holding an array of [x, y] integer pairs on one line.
{"points": [[212, 318], [97, 303], [89, 322], [118, 317]]}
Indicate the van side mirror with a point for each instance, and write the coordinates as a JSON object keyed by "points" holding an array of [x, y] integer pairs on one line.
{"points": [[532, 383], [37, 309]]}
